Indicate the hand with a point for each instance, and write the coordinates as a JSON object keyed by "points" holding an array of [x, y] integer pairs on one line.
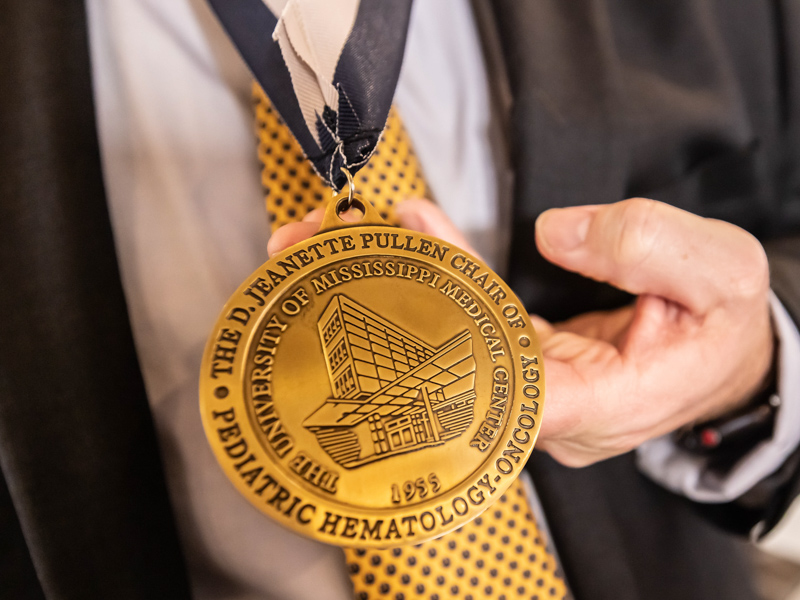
{"points": [[697, 342]]}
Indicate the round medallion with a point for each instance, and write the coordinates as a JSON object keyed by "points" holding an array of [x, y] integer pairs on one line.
{"points": [[372, 386]]}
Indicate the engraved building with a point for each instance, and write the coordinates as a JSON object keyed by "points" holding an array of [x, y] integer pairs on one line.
{"points": [[391, 392]]}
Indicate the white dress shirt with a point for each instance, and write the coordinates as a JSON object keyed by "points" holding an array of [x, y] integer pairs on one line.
{"points": [[178, 150]]}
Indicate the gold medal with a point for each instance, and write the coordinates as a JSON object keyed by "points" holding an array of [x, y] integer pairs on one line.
{"points": [[372, 386]]}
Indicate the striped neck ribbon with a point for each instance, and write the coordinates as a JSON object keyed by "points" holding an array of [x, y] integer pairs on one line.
{"points": [[329, 67]]}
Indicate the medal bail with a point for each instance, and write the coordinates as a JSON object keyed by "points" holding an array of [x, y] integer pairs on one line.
{"points": [[343, 202], [351, 186]]}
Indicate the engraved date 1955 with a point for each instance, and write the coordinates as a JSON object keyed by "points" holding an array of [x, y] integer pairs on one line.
{"points": [[417, 488]]}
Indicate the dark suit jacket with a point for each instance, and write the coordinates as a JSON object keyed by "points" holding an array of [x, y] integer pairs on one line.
{"points": [[695, 103]]}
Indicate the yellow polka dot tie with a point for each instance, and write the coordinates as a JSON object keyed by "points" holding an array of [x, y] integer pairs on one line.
{"points": [[502, 554]]}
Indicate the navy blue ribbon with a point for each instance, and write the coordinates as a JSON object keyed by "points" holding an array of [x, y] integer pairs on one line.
{"points": [[365, 77]]}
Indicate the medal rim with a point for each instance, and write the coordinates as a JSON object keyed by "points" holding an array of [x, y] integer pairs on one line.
{"points": [[238, 399]]}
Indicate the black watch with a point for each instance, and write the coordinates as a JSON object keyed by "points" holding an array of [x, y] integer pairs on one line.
{"points": [[731, 436]]}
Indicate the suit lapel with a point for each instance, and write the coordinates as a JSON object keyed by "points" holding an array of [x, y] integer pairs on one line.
{"points": [[620, 536], [78, 448], [564, 141]]}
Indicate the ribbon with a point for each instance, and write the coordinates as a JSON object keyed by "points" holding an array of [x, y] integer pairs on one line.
{"points": [[329, 68]]}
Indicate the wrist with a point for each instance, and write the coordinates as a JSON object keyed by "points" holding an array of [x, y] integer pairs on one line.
{"points": [[732, 434]]}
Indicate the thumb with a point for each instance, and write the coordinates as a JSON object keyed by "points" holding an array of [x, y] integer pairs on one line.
{"points": [[648, 247], [293, 233]]}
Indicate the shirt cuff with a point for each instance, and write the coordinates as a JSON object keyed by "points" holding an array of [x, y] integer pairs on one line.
{"points": [[685, 473]]}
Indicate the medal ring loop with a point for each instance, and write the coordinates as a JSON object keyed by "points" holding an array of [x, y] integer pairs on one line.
{"points": [[351, 190], [344, 202]]}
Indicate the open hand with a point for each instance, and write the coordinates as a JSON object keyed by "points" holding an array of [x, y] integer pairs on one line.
{"points": [[697, 343]]}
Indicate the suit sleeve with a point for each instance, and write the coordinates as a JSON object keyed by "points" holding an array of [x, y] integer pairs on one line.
{"points": [[766, 502], [760, 508]]}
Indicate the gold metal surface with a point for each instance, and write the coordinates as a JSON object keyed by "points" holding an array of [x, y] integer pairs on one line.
{"points": [[372, 386]]}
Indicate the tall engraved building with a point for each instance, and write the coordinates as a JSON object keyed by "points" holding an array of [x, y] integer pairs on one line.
{"points": [[391, 392]]}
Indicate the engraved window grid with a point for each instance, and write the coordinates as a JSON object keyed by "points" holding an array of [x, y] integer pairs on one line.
{"points": [[402, 352], [345, 383], [332, 327], [378, 435], [338, 355], [410, 386], [381, 338], [417, 353], [398, 424], [376, 342], [400, 432], [422, 427]]}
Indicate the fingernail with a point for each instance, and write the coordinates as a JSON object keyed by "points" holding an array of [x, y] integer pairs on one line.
{"points": [[563, 229]]}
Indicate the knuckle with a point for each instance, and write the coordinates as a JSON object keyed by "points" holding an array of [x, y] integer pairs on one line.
{"points": [[750, 275], [623, 444], [567, 457], [575, 462], [635, 225]]}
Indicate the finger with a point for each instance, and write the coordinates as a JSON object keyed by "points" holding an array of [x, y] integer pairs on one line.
{"points": [[291, 234], [609, 326], [315, 216], [351, 215], [424, 216], [543, 328], [643, 246], [571, 398]]}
